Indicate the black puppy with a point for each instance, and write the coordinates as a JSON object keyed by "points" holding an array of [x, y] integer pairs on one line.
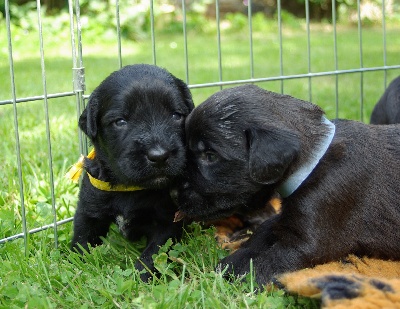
{"points": [[135, 120], [387, 110], [340, 183]]}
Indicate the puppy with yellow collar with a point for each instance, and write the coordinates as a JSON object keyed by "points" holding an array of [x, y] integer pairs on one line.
{"points": [[135, 121]]}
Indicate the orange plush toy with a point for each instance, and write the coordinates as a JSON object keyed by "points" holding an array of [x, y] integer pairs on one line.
{"points": [[352, 283]]}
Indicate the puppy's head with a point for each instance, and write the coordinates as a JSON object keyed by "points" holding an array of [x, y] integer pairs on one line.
{"points": [[135, 120], [243, 142]]}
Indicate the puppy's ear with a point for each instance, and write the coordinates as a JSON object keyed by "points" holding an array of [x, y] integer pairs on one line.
{"points": [[184, 89], [270, 153], [88, 118]]}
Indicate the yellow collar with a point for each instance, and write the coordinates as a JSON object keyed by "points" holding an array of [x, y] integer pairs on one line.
{"points": [[76, 170]]}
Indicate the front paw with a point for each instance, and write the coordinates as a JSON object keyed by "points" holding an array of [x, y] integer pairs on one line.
{"points": [[237, 264], [144, 274], [146, 269], [79, 248]]}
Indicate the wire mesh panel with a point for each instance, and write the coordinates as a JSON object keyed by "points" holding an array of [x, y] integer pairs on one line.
{"points": [[36, 207], [50, 70]]}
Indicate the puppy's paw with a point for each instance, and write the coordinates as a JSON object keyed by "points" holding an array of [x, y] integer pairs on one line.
{"points": [[236, 265], [145, 276], [145, 271], [81, 249]]}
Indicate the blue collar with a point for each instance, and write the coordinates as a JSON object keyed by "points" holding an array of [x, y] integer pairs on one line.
{"points": [[296, 179]]}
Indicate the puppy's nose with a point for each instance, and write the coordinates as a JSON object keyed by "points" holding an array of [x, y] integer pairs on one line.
{"points": [[158, 155]]}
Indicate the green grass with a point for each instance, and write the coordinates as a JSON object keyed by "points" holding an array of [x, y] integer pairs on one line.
{"points": [[47, 277], [106, 279]]}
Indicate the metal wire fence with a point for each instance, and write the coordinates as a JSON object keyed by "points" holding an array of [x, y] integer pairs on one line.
{"points": [[77, 91]]}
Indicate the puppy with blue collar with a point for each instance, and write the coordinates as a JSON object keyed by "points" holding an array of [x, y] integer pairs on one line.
{"points": [[339, 181]]}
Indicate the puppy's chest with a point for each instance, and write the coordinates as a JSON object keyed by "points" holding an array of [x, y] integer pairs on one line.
{"points": [[135, 210], [127, 217], [127, 223], [127, 209]]}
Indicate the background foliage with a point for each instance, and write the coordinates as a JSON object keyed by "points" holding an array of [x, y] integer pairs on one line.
{"points": [[135, 21]]}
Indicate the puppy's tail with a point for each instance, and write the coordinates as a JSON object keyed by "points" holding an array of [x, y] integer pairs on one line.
{"points": [[76, 170]]}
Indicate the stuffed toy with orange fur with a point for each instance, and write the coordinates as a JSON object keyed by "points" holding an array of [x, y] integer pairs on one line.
{"points": [[352, 283]]}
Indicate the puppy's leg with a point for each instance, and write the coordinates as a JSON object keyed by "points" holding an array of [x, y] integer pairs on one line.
{"points": [[157, 237], [238, 263], [273, 251], [275, 260], [88, 230]]}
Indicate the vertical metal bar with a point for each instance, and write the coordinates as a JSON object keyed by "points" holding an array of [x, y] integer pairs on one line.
{"points": [[46, 112], [335, 54], [74, 65], [307, 4], [79, 33], [17, 144], [219, 41], [250, 19], [78, 68], [384, 42], [280, 42], [153, 40], [185, 41], [361, 61], [118, 34], [72, 31]]}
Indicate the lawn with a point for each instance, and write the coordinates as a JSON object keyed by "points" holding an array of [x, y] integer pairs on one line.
{"points": [[46, 277]]}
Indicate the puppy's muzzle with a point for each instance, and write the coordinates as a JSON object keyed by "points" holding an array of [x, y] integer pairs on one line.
{"points": [[158, 155]]}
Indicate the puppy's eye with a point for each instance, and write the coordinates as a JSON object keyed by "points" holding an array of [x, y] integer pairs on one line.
{"points": [[208, 156], [177, 116], [120, 122]]}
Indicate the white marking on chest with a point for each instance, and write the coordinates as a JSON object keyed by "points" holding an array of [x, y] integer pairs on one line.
{"points": [[121, 222]]}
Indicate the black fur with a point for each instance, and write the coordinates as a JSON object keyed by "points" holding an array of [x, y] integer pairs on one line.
{"points": [[387, 110], [135, 120], [245, 141]]}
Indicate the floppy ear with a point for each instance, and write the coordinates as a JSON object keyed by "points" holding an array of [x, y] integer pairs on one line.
{"points": [[270, 153], [184, 89], [88, 118]]}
